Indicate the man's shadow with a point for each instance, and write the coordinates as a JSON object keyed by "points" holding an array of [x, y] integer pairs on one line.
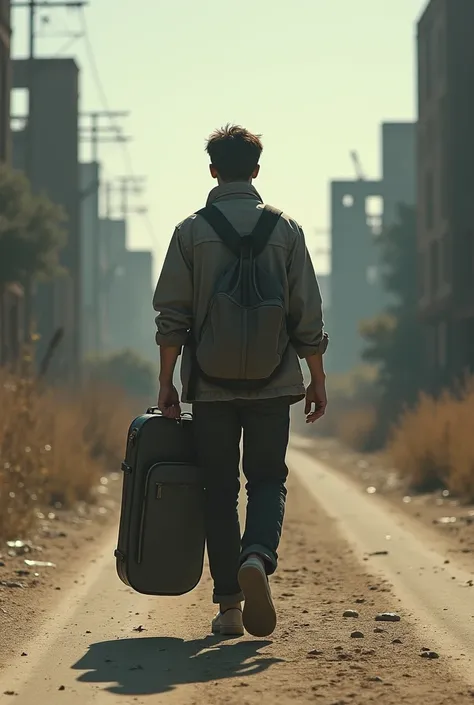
{"points": [[147, 666]]}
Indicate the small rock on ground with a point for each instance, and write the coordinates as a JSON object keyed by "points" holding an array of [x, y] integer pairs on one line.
{"points": [[387, 617], [351, 613]]}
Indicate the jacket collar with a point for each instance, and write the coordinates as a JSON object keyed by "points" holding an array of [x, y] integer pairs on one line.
{"points": [[233, 190]]}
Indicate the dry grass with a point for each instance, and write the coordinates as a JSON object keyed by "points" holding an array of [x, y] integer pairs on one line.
{"points": [[433, 444], [53, 448]]}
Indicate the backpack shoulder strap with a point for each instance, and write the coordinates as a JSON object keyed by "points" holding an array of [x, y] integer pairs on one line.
{"points": [[262, 232], [225, 230], [259, 237]]}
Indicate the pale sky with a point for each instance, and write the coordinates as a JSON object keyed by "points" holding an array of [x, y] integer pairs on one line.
{"points": [[315, 77]]}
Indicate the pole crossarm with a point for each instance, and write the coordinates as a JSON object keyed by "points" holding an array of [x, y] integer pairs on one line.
{"points": [[50, 5]]}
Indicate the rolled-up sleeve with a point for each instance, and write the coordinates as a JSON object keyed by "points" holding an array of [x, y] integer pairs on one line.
{"points": [[173, 299], [306, 326]]}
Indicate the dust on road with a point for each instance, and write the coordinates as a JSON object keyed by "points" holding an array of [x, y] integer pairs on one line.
{"points": [[109, 645]]}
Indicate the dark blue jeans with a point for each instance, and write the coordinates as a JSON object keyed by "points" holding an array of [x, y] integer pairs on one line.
{"points": [[265, 426]]}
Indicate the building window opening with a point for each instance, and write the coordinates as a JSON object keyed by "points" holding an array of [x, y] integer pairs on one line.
{"points": [[20, 105], [348, 201], [374, 214], [373, 275]]}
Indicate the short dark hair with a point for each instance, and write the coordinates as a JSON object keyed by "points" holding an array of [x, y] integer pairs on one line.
{"points": [[234, 152]]}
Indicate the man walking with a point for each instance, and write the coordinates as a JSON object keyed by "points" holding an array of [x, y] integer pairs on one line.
{"points": [[238, 295]]}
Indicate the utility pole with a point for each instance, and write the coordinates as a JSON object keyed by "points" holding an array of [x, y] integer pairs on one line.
{"points": [[130, 185], [124, 187], [97, 134]]}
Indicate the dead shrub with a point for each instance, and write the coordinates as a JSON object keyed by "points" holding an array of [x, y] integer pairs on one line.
{"points": [[54, 447], [433, 444]]}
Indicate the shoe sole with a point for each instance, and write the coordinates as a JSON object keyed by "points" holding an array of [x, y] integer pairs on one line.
{"points": [[228, 631], [259, 614]]}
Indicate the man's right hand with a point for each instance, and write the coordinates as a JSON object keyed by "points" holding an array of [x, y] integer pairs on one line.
{"points": [[168, 401], [316, 401]]}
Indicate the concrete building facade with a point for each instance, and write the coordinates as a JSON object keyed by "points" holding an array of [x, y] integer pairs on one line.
{"points": [[113, 285], [355, 290], [360, 210], [398, 168], [126, 293], [11, 294], [446, 187], [5, 80], [47, 148], [11, 324], [90, 259]]}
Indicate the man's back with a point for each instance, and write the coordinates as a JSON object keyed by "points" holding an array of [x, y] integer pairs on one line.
{"points": [[196, 262]]}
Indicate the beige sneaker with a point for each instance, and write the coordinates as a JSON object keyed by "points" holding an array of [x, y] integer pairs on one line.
{"points": [[228, 623], [259, 616]]}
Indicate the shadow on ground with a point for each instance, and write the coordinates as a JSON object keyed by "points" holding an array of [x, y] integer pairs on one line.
{"points": [[147, 666]]}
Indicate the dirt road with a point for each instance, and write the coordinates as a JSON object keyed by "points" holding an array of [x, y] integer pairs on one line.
{"points": [[103, 644]]}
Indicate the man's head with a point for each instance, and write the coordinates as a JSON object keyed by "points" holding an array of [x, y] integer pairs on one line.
{"points": [[234, 154]]}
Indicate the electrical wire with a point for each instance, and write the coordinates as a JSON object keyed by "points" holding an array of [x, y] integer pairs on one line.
{"points": [[106, 106], [67, 45]]}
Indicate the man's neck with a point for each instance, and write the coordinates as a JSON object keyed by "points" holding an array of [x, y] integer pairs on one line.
{"points": [[234, 181]]}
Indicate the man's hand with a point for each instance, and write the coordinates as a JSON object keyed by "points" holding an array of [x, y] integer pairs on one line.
{"points": [[168, 401], [316, 401]]}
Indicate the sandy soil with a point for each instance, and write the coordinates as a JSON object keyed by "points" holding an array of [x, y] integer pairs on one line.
{"points": [[447, 517], [69, 540], [90, 649]]}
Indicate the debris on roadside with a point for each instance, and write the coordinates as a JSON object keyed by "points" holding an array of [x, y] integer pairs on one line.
{"points": [[39, 564], [429, 654], [357, 635], [139, 629], [379, 553], [20, 548], [445, 520], [387, 617], [11, 584], [467, 519]]}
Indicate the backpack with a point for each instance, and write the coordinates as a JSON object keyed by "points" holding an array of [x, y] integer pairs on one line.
{"points": [[244, 336]]}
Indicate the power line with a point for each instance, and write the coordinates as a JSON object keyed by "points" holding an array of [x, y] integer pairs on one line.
{"points": [[105, 104]]}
